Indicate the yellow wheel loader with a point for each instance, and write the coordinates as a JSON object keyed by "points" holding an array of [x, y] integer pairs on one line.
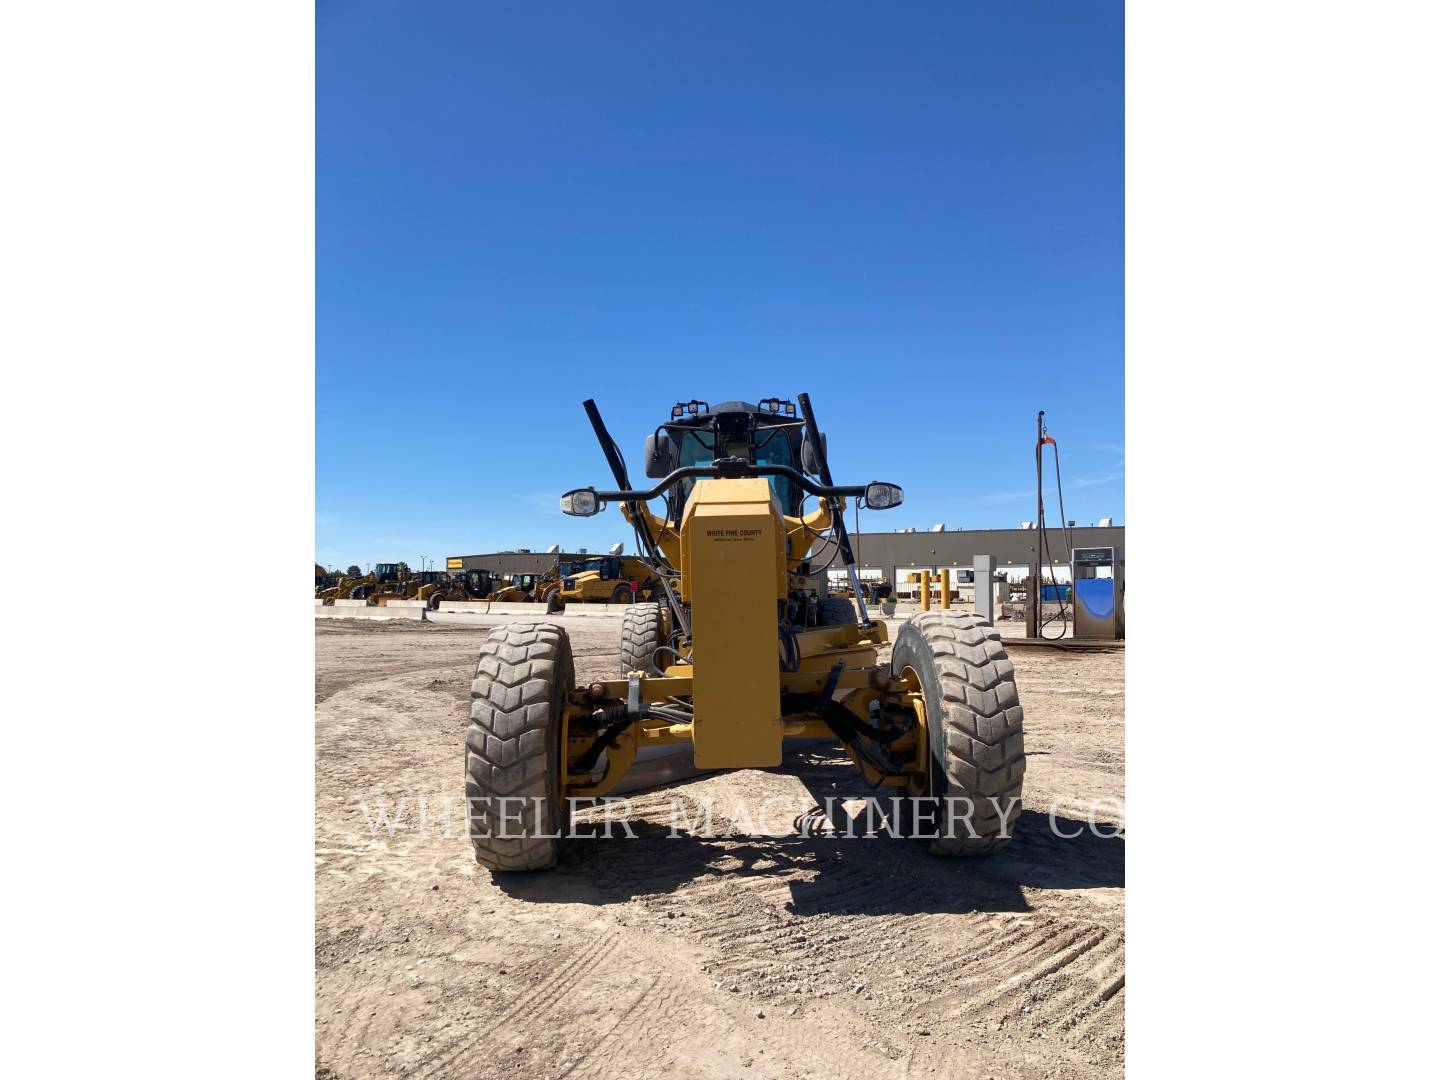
{"points": [[331, 587], [741, 651]]}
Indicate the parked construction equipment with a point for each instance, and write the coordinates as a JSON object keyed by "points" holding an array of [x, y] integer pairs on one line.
{"points": [[331, 587], [515, 588], [601, 579], [387, 579], [435, 586], [740, 649]]}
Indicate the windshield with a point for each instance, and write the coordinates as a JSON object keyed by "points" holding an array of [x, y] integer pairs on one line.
{"points": [[772, 448]]}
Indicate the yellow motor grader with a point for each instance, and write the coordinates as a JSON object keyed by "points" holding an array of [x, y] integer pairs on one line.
{"points": [[515, 588], [433, 586], [387, 581], [741, 651]]}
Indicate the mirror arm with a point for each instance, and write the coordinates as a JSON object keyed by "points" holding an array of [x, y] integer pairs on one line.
{"points": [[840, 491], [812, 429]]}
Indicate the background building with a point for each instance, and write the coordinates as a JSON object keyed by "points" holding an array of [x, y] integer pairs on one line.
{"points": [[515, 562], [881, 554]]}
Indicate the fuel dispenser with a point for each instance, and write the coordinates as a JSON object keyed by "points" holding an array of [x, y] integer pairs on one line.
{"points": [[1098, 575]]}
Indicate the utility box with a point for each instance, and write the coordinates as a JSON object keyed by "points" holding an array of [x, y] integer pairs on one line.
{"points": [[984, 578], [1097, 576]]}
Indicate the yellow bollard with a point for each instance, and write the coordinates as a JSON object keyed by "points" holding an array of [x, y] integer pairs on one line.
{"points": [[945, 588], [924, 590]]}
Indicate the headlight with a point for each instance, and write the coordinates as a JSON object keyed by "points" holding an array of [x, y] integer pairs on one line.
{"points": [[880, 496], [583, 502]]}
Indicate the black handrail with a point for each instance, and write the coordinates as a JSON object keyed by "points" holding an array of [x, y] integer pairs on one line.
{"points": [[731, 468]]}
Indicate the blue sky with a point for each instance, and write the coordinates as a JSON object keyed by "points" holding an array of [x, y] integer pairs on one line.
{"points": [[913, 212]]}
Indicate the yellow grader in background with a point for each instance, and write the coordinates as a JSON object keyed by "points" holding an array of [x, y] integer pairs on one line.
{"points": [[740, 651], [515, 588], [433, 586], [873, 590], [395, 581], [386, 580]]}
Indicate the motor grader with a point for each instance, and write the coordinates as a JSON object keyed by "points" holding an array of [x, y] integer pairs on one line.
{"points": [[515, 588], [434, 586], [385, 581], [741, 652]]}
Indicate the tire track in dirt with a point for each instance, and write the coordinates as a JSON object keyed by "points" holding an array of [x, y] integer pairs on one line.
{"points": [[621, 962], [531, 1010]]}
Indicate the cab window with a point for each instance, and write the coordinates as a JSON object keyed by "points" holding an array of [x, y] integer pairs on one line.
{"points": [[772, 448]]}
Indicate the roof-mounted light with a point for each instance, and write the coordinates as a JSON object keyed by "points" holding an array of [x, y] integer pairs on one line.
{"points": [[778, 405], [682, 409]]}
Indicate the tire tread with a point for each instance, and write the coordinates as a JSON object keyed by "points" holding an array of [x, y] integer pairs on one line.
{"points": [[641, 633], [983, 726], [521, 675]]}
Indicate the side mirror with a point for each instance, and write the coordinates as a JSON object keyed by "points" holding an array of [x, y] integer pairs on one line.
{"points": [[660, 455], [880, 496], [808, 461], [581, 502]]}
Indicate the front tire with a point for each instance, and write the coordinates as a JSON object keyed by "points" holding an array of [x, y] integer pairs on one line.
{"points": [[974, 726], [837, 611], [641, 633], [623, 594], [513, 746]]}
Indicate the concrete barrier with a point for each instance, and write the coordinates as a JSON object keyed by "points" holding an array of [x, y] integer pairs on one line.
{"points": [[517, 607], [414, 614], [477, 619], [596, 611], [462, 609], [523, 613]]}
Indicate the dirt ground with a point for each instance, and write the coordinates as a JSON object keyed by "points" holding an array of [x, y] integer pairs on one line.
{"points": [[750, 956]]}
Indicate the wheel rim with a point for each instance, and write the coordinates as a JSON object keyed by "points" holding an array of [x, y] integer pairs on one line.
{"points": [[915, 700]]}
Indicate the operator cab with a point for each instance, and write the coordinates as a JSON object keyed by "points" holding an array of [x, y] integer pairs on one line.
{"points": [[389, 571], [765, 434], [607, 566], [479, 582]]}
